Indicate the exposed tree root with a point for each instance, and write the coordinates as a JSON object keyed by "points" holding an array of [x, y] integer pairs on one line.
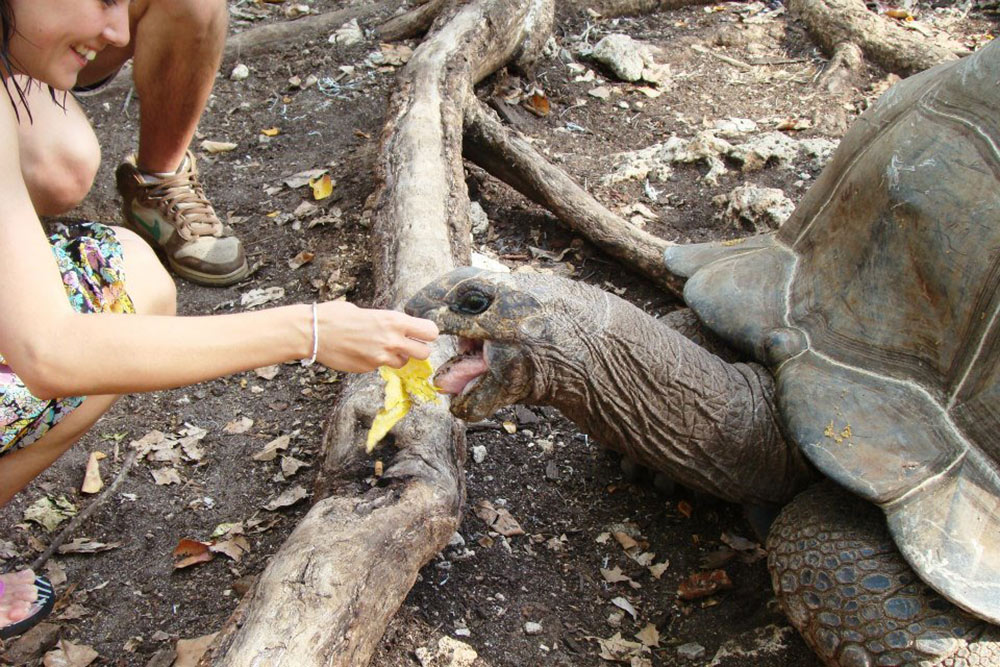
{"points": [[326, 597], [262, 38], [612, 8], [514, 161], [884, 42], [411, 24], [844, 66]]}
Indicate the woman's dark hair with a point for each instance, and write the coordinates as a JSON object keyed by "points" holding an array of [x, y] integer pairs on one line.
{"points": [[21, 88], [6, 34]]}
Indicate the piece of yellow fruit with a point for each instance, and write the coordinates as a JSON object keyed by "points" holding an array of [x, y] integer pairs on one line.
{"points": [[412, 381], [322, 187]]}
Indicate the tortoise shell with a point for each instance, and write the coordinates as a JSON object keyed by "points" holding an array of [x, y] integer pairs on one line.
{"points": [[877, 307]]}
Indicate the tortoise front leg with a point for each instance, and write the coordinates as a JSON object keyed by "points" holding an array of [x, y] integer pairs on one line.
{"points": [[846, 588]]}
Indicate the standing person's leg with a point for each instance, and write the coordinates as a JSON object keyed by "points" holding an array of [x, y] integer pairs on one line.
{"points": [[177, 47]]}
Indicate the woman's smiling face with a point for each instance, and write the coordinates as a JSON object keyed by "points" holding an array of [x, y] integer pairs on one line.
{"points": [[55, 39]]}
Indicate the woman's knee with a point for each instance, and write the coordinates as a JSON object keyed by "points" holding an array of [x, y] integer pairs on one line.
{"points": [[59, 156], [150, 287]]}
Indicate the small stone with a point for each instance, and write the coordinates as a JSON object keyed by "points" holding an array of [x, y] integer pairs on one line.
{"points": [[456, 540], [532, 628], [601, 92], [239, 72], [347, 34], [479, 453], [525, 416], [691, 650]]}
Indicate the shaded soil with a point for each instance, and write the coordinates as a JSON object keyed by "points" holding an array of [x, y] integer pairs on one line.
{"points": [[565, 490]]}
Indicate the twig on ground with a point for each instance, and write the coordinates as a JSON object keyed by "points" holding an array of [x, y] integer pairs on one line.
{"points": [[726, 59], [87, 511]]}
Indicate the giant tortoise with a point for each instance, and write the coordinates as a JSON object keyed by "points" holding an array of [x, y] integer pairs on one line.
{"points": [[871, 320]]}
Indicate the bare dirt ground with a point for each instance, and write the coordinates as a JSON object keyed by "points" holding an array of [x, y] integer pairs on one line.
{"points": [[129, 602]]}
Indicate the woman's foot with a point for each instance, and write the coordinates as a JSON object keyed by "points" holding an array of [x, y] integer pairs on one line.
{"points": [[18, 595], [24, 600]]}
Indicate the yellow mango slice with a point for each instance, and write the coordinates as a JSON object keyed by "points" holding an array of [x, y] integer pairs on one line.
{"points": [[412, 381]]}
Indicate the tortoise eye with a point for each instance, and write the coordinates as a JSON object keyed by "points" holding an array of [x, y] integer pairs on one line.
{"points": [[473, 302]]}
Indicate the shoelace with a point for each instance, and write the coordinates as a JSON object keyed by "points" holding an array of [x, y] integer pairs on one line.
{"points": [[184, 194]]}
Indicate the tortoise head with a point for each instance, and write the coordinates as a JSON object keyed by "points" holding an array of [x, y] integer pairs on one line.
{"points": [[511, 329]]}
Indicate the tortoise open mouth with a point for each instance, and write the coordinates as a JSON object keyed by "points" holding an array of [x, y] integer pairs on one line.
{"points": [[461, 373]]}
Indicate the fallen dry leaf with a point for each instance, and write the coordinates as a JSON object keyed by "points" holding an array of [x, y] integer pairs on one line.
{"points": [[296, 181], [291, 465], [230, 528], [645, 558], [260, 296], [85, 545], [703, 584], [684, 507], [234, 548], [166, 476], [615, 575], [649, 636], [538, 104], [289, 497], [749, 551], [625, 605], [92, 482], [217, 146], [68, 654], [190, 651], [625, 541], [617, 649], [498, 520], [267, 372], [145, 444], [73, 612], [237, 426], [271, 131], [301, 259], [271, 449], [50, 512], [658, 569], [191, 552]]}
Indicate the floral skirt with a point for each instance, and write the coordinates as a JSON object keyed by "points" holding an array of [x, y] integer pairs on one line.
{"points": [[93, 272]]}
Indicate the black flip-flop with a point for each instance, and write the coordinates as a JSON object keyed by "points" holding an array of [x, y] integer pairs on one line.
{"points": [[40, 609]]}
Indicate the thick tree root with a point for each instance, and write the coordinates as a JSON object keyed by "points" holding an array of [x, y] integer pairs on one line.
{"points": [[328, 594], [411, 24], [514, 161], [844, 66], [613, 8], [885, 43]]}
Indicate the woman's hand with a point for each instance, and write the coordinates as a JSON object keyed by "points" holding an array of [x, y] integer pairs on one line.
{"points": [[357, 339]]}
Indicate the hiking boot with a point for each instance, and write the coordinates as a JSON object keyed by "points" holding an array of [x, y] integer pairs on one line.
{"points": [[171, 213]]}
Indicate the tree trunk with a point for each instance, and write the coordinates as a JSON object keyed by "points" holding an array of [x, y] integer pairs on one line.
{"points": [[326, 597], [882, 40]]}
